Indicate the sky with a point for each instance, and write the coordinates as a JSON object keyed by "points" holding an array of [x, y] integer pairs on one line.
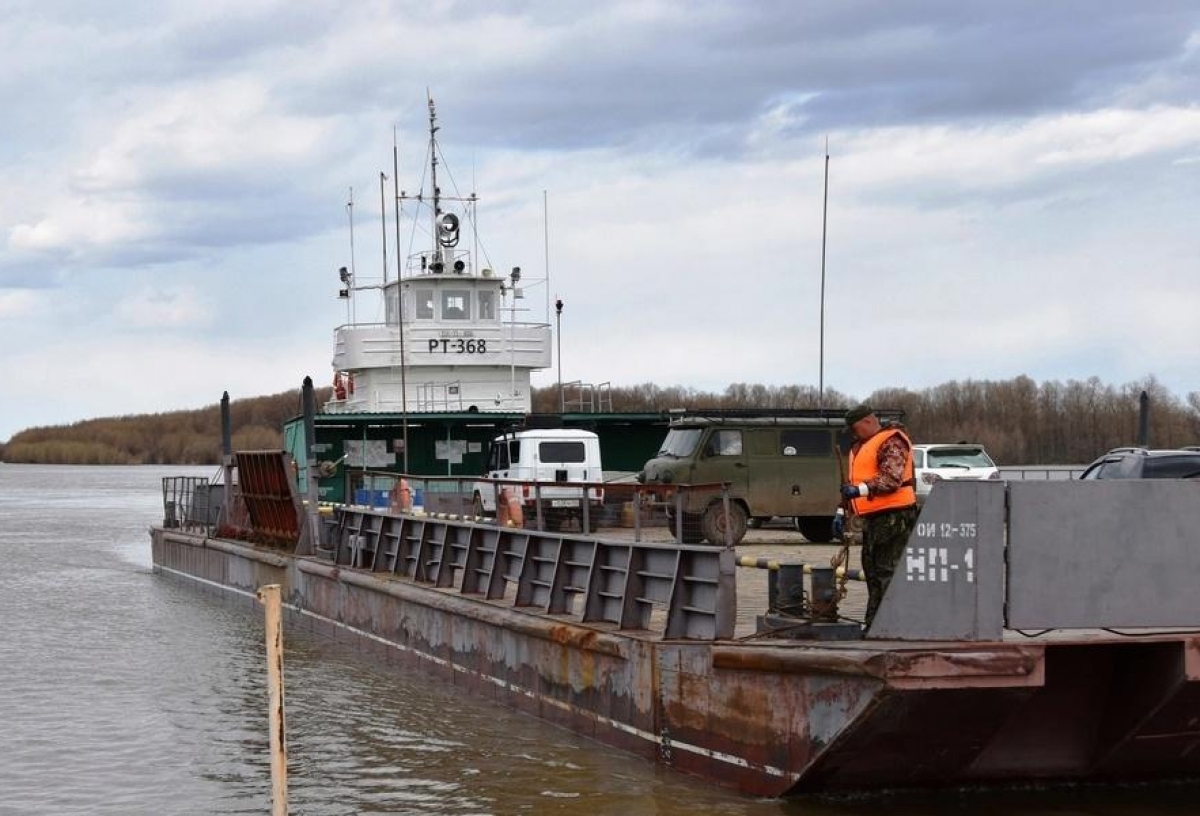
{"points": [[1013, 188]]}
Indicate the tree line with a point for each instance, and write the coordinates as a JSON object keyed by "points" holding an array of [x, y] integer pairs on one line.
{"points": [[173, 438], [1019, 421]]}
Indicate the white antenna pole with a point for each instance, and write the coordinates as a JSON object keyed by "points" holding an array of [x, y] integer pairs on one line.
{"points": [[824, 221], [400, 296], [383, 223], [350, 283], [433, 182], [474, 220], [546, 248]]}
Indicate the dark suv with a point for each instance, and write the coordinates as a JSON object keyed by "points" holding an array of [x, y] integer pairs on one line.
{"points": [[1141, 463]]}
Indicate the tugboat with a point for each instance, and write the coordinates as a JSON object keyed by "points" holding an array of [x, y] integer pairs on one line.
{"points": [[448, 369], [445, 343]]}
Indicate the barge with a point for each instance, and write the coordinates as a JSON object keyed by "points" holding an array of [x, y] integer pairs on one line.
{"points": [[1035, 632]]}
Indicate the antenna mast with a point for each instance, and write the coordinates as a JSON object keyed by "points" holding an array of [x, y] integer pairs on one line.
{"points": [[383, 223], [546, 248], [350, 283], [824, 221], [400, 296], [433, 162]]}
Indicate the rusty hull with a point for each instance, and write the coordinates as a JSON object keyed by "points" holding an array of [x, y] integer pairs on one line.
{"points": [[769, 718]]}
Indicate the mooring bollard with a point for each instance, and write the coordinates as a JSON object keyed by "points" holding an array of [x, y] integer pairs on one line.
{"points": [[269, 597], [790, 589], [823, 602]]}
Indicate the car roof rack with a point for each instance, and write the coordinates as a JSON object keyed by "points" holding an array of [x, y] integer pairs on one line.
{"points": [[886, 415]]}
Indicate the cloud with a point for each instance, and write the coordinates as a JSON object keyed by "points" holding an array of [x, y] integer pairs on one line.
{"points": [[1011, 185], [21, 303], [160, 308]]}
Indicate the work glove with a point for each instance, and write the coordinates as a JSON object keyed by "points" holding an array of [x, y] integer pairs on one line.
{"points": [[839, 523], [852, 491]]}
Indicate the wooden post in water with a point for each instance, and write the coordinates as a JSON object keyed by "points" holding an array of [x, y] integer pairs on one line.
{"points": [[269, 597]]}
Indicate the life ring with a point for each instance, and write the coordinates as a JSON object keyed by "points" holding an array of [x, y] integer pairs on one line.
{"points": [[339, 386], [350, 383]]}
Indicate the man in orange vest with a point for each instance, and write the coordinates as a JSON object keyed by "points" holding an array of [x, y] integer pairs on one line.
{"points": [[881, 491]]}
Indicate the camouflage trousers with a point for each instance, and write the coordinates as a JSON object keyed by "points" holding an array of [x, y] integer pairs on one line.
{"points": [[884, 537]]}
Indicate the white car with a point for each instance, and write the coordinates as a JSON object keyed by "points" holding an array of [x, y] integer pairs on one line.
{"points": [[550, 457], [961, 460]]}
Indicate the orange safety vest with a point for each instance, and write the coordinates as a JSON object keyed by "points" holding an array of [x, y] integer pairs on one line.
{"points": [[864, 466]]}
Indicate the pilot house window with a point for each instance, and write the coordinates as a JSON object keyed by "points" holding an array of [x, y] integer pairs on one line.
{"points": [[487, 305], [456, 305], [424, 304]]}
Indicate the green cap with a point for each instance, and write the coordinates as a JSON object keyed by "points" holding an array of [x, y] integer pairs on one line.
{"points": [[858, 412]]}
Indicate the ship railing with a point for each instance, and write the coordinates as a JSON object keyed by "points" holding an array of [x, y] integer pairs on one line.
{"points": [[432, 323], [192, 503], [1041, 473], [672, 590], [445, 396], [587, 397], [683, 514]]}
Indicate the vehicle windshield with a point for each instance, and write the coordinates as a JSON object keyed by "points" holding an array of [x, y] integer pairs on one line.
{"points": [[680, 442], [958, 458]]}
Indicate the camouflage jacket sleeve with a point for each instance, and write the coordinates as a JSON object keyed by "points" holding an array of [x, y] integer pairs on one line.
{"points": [[892, 456]]}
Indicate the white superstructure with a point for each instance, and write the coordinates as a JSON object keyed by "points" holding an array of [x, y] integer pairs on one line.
{"points": [[451, 339]]}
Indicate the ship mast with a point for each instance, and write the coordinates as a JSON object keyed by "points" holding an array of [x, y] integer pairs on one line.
{"points": [[437, 193]]}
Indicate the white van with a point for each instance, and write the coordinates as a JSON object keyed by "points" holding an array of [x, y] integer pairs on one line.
{"points": [[549, 457]]}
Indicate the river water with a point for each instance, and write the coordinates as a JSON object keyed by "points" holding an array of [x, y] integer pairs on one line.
{"points": [[125, 692]]}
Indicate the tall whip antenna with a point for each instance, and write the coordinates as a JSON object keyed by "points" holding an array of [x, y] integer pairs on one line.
{"points": [[350, 283], [824, 222], [400, 295], [546, 248], [383, 223], [433, 163]]}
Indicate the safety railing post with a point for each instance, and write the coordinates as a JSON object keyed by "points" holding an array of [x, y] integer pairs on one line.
{"points": [[725, 510], [679, 515], [639, 495]]}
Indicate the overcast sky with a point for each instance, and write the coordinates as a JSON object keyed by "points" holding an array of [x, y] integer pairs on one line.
{"points": [[1014, 187]]}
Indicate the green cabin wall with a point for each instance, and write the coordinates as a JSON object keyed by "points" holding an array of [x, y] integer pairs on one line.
{"points": [[627, 441]]}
